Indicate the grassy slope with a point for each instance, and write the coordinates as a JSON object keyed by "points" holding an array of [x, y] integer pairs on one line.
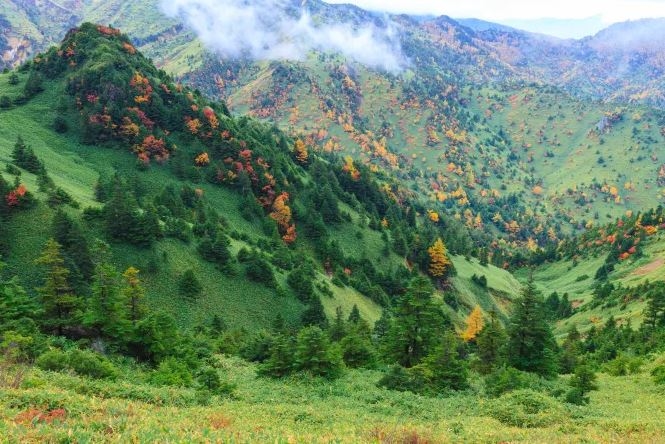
{"points": [[350, 410]]}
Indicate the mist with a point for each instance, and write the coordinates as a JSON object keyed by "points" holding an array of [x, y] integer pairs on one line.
{"points": [[263, 30]]}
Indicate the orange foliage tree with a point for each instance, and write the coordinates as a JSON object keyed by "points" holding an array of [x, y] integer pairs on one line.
{"points": [[281, 213], [474, 324]]}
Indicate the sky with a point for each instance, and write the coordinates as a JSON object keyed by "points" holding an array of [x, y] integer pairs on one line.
{"points": [[563, 18]]}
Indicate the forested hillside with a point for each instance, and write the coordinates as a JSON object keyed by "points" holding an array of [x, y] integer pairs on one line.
{"points": [[467, 248]]}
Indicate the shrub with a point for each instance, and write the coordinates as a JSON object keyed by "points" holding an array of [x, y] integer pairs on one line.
{"points": [[623, 365], [82, 362], [53, 360], [414, 379], [60, 125], [527, 408], [658, 374], [89, 363], [172, 372]]}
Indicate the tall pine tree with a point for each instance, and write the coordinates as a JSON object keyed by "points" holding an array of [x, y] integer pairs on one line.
{"points": [[531, 345]]}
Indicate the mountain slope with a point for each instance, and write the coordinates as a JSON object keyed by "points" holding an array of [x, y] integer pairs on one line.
{"points": [[187, 163]]}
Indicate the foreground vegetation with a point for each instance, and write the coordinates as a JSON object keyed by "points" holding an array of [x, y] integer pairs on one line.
{"points": [[60, 407]]}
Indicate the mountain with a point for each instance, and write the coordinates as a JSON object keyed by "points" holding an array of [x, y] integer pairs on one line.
{"points": [[199, 175], [479, 119], [332, 248]]}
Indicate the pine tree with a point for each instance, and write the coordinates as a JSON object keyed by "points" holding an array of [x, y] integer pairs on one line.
{"points": [[354, 316], [491, 342], [189, 285], [474, 324], [316, 355], [338, 327], [314, 314], [105, 311], [17, 309], [133, 296], [416, 325], [582, 382], [447, 370], [439, 262], [531, 345], [281, 360], [62, 308]]}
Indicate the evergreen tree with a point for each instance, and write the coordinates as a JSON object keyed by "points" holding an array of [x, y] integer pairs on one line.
{"points": [[281, 360], [316, 355], [354, 316], [491, 343], [17, 309], [105, 311], [571, 350], [447, 370], [314, 314], [357, 350], [62, 308], [74, 245], [582, 382], [416, 325], [531, 345], [338, 327], [133, 296], [189, 285]]}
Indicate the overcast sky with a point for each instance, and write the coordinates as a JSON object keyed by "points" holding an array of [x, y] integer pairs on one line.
{"points": [[591, 15]]}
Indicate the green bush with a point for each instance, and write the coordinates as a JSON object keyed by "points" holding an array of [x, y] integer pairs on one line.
{"points": [[527, 408], [623, 365], [658, 374], [89, 363], [53, 360], [82, 362], [172, 372]]}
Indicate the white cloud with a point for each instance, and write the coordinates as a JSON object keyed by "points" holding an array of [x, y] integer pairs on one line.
{"points": [[262, 29], [610, 11]]}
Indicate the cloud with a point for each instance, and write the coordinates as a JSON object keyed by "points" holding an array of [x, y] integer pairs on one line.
{"points": [[611, 11], [275, 30]]}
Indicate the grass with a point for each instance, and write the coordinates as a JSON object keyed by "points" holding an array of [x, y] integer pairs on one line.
{"points": [[349, 410]]}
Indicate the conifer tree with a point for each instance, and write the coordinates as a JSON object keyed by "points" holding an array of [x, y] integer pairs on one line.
{"points": [[133, 295], [315, 354], [474, 324], [447, 370], [105, 311], [416, 325], [531, 345], [491, 342], [62, 308], [439, 263], [17, 309], [338, 327]]}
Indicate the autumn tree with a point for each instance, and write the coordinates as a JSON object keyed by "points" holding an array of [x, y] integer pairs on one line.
{"points": [[300, 151], [474, 324], [62, 308], [281, 213], [439, 263]]}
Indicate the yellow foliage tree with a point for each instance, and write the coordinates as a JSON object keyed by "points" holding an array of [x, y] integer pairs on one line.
{"points": [[474, 324], [439, 261], [300, 151]]}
